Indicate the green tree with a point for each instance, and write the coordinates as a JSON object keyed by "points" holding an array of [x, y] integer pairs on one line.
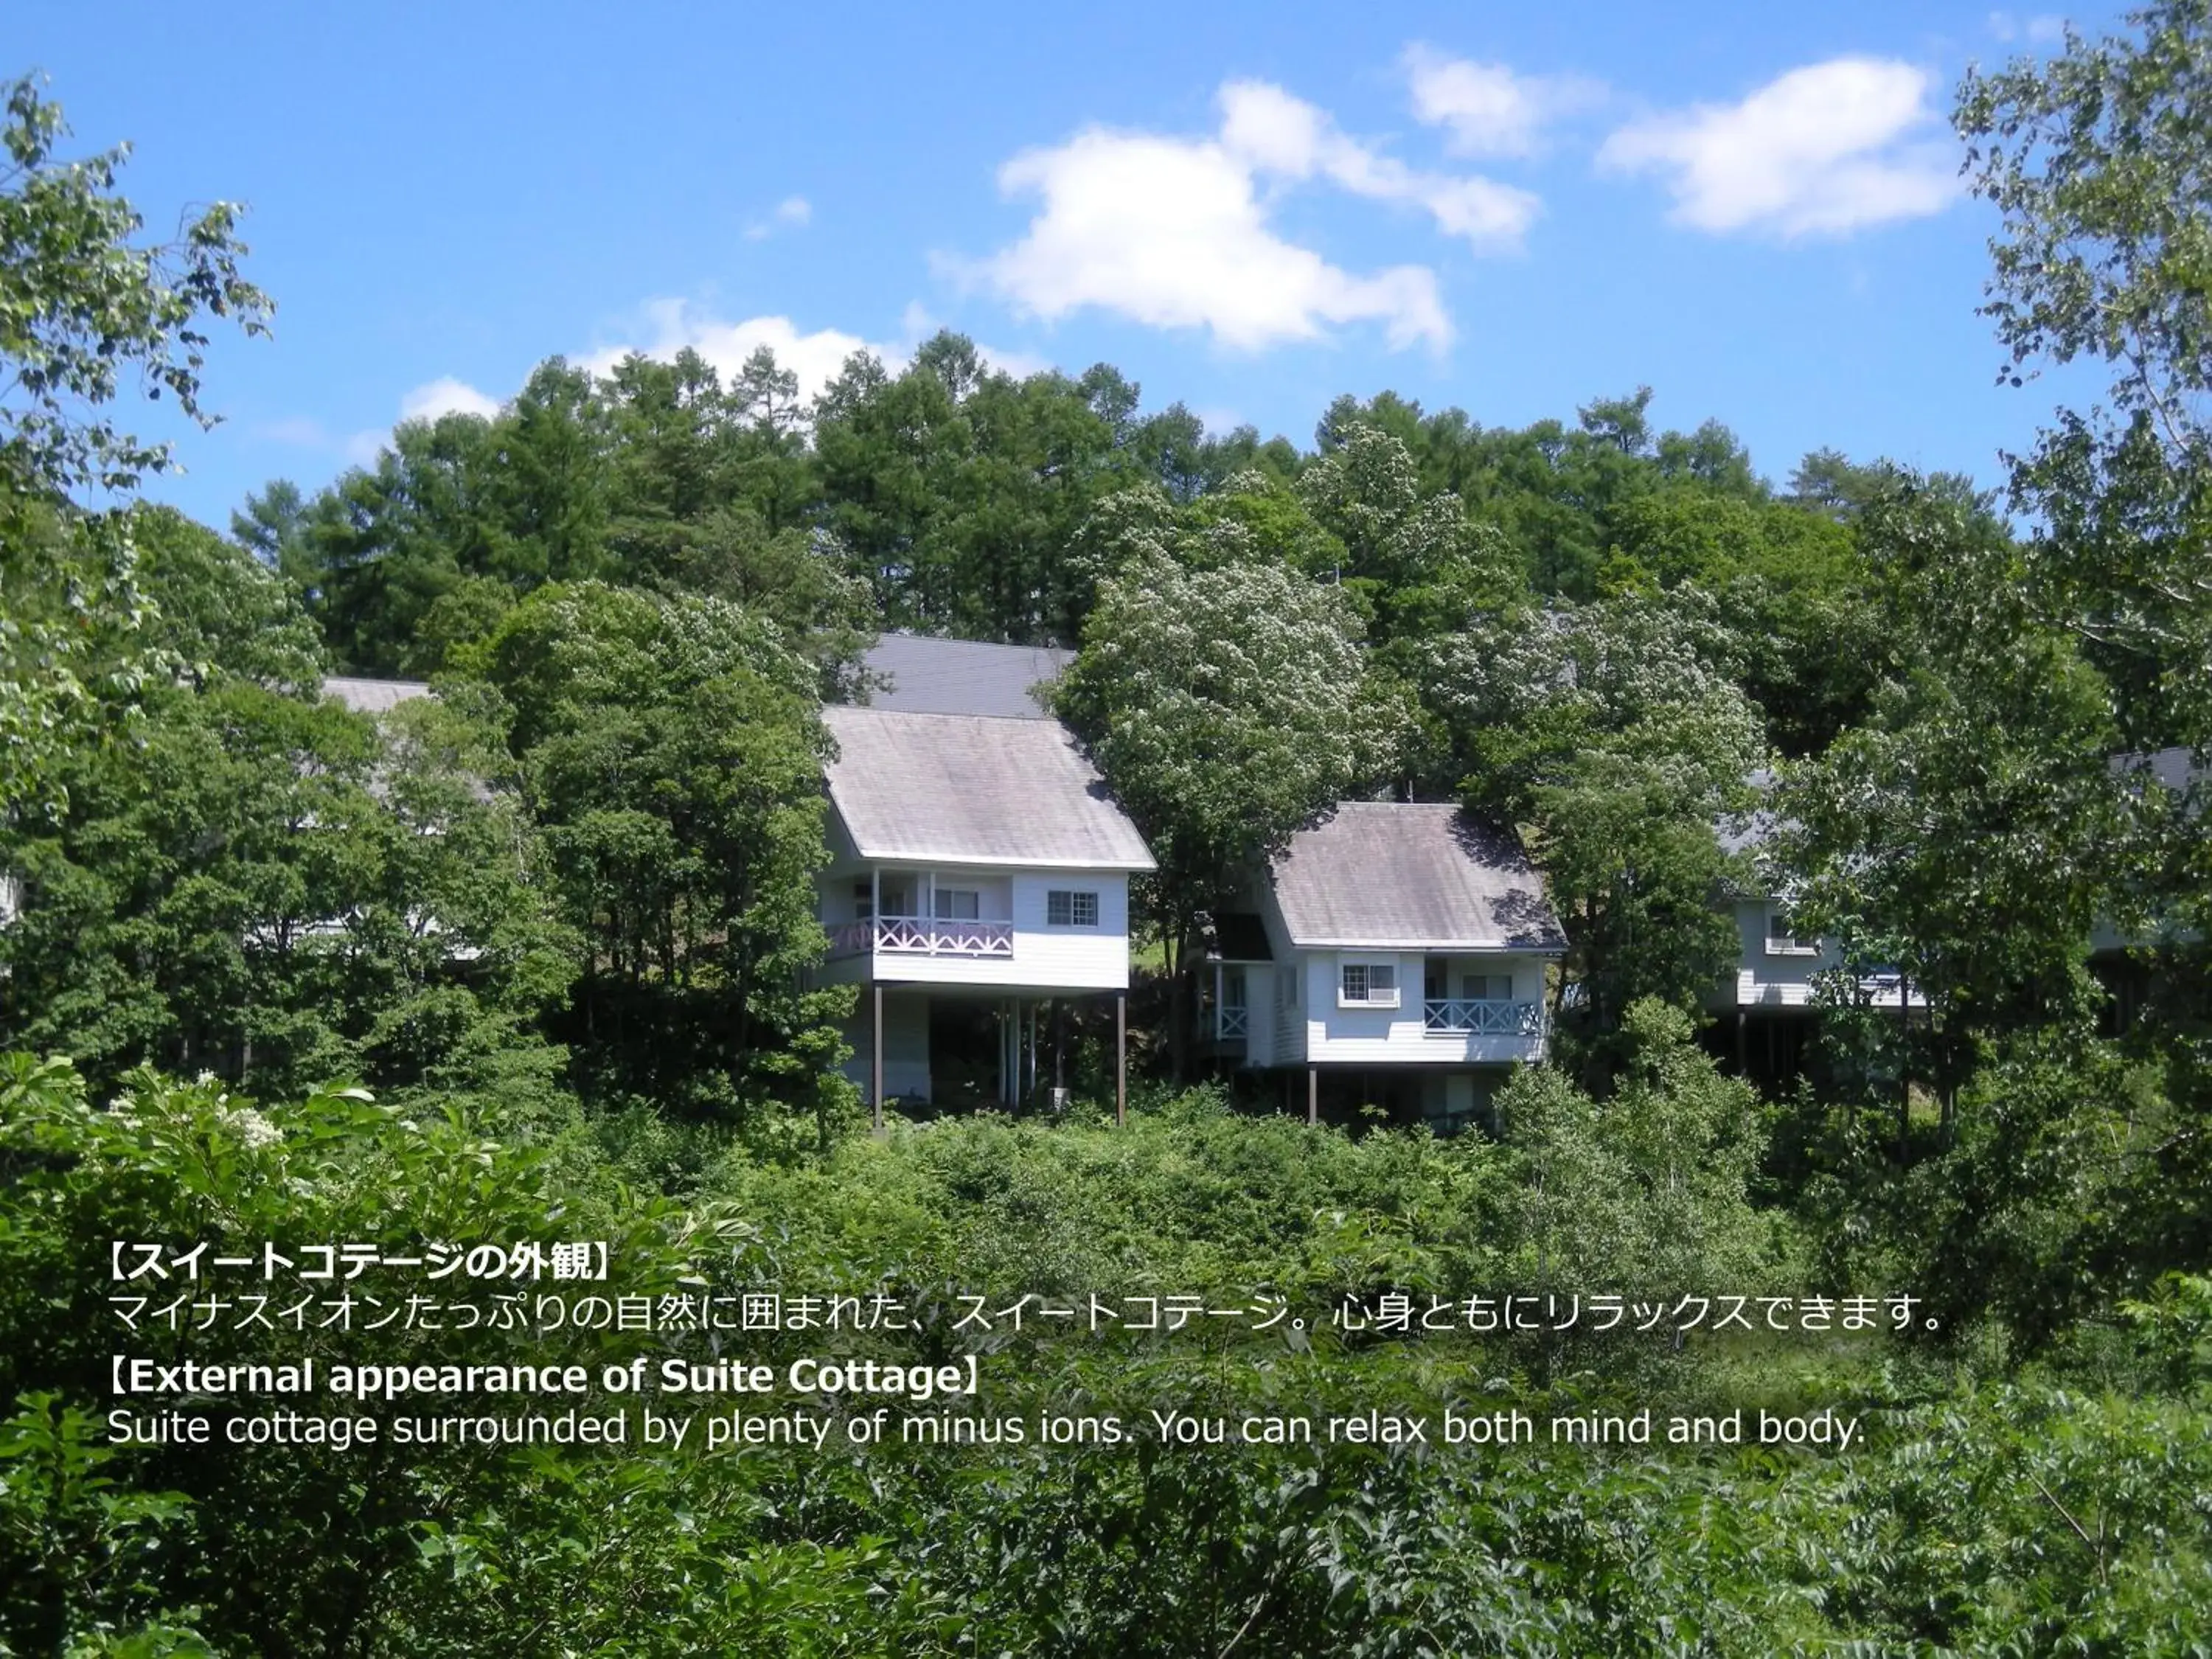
{"points": [[84, 304], [219, 610], [1224, 707], [672, 753], [1611, 735], [274, 890], [1966, 834], [2098, 162], [1649, 1190], [958, 490], [1792, 590]]}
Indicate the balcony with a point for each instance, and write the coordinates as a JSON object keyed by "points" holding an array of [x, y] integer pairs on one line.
{"points": [[920, 936], [1228, 1024], [1479, 1017]]}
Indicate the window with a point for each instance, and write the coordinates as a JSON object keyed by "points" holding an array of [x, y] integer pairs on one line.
{"points": [[1782, 939], [864, 901], [1066, 908], [958, 905], [1487, 987], [1369, 984]]}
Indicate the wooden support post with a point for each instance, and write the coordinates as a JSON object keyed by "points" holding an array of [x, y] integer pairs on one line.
{"points": [[876, 1055], [1120, 1059], [1313, 1095]]}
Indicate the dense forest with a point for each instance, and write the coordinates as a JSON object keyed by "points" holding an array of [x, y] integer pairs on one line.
{"points": [[537, 947]]}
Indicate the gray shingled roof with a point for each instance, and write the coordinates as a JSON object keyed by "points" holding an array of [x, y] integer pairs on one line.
{"points": [[961, 676], [1754, 828], [2174, 769], [971, 789], [1387, 875], [372, 696]]}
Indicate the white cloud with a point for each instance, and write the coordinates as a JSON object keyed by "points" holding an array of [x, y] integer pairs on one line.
{"points": [[300, 431], [447, 396], [1486, 109], [790, 213], [917, 324], [1176, 231], [2041, 31], [303, 432], [1280, 134], [662, 328], [1829, 148], [670, 326]]}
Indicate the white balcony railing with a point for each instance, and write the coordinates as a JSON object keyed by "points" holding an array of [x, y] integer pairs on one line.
{"points": [[1232, 1024], [922, 936], [1479, 1017]]}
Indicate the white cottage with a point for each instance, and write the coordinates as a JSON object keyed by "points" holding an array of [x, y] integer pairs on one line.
{"points": [[1398, 954], [1766, 1011], [2125, 960], [978, 871]]}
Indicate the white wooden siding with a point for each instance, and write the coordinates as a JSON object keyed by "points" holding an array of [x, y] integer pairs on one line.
{"points": [[1044, 959], [1259, 1011], [1770, 976], [1316, 1029]]}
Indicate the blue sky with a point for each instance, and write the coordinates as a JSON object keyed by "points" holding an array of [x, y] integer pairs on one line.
{"points": [[1753, 209]]}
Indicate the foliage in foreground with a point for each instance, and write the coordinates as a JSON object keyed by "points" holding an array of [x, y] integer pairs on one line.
{"points": [[2024, 1516]]}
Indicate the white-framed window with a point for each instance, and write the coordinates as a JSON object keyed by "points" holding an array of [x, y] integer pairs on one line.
{"points": [[959, 904], [1782, 937], [1367, 984], [1071, 906], [1487, 987], [864, 901]]}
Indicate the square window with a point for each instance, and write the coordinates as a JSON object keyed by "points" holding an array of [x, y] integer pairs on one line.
{"points": [[1373, 983], [1783, 937], [958, 905], [1071, 908]]}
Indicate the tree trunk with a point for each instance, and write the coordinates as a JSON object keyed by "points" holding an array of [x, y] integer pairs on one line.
{"points": [[1177, 943]]}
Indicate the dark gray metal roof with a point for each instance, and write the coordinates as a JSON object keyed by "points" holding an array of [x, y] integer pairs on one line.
{"points": [[1386, 875], [930, 676], [372, 696], [2177, 770], [1754, 828], [971, 789]]}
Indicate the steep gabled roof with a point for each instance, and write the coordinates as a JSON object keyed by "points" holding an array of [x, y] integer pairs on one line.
{"points": [[930, 676], [972, 789], [1388, 875], [372, 696], [2174, 769]]}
